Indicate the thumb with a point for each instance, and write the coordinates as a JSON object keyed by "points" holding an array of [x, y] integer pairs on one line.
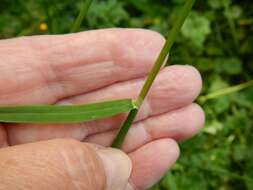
{"points": [[63, 164]]}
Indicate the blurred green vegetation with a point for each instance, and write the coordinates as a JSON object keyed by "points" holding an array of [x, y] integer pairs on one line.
{"points": [[217, 38]]}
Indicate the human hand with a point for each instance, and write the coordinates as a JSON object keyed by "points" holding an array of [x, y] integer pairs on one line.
{"points": [[85, 68]]}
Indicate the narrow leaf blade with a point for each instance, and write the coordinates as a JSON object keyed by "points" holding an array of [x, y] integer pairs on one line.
{"points": [[43, 114]]}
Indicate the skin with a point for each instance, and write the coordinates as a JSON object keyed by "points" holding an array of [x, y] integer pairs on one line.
{"points": [[84, 68]]}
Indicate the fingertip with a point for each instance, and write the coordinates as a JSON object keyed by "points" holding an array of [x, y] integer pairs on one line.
{"points": [[188, 77], [200, 118], [196, 76], [182, 83], [170, 150], [194, 120], [151, 161]]}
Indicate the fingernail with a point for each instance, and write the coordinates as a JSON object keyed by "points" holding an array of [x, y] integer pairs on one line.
{"points": [[118, 167]]}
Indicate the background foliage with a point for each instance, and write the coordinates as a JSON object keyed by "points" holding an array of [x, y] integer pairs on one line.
{"points": [[217, 39]]}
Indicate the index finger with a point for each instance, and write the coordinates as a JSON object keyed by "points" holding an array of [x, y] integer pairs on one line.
{"points": [[45, 69]]}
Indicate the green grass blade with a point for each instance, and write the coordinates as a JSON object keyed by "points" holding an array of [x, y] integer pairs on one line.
{"points": [[63, 113], [83, 12]]}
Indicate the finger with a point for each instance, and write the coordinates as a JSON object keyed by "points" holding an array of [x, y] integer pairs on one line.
{"points": [[44, 69], [151, 162], [179, 125], [171, 90], [63, 164]]}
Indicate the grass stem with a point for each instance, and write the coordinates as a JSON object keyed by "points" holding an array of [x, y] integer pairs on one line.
{"points": [[155, 70], [226, 91], [83, 12]]}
